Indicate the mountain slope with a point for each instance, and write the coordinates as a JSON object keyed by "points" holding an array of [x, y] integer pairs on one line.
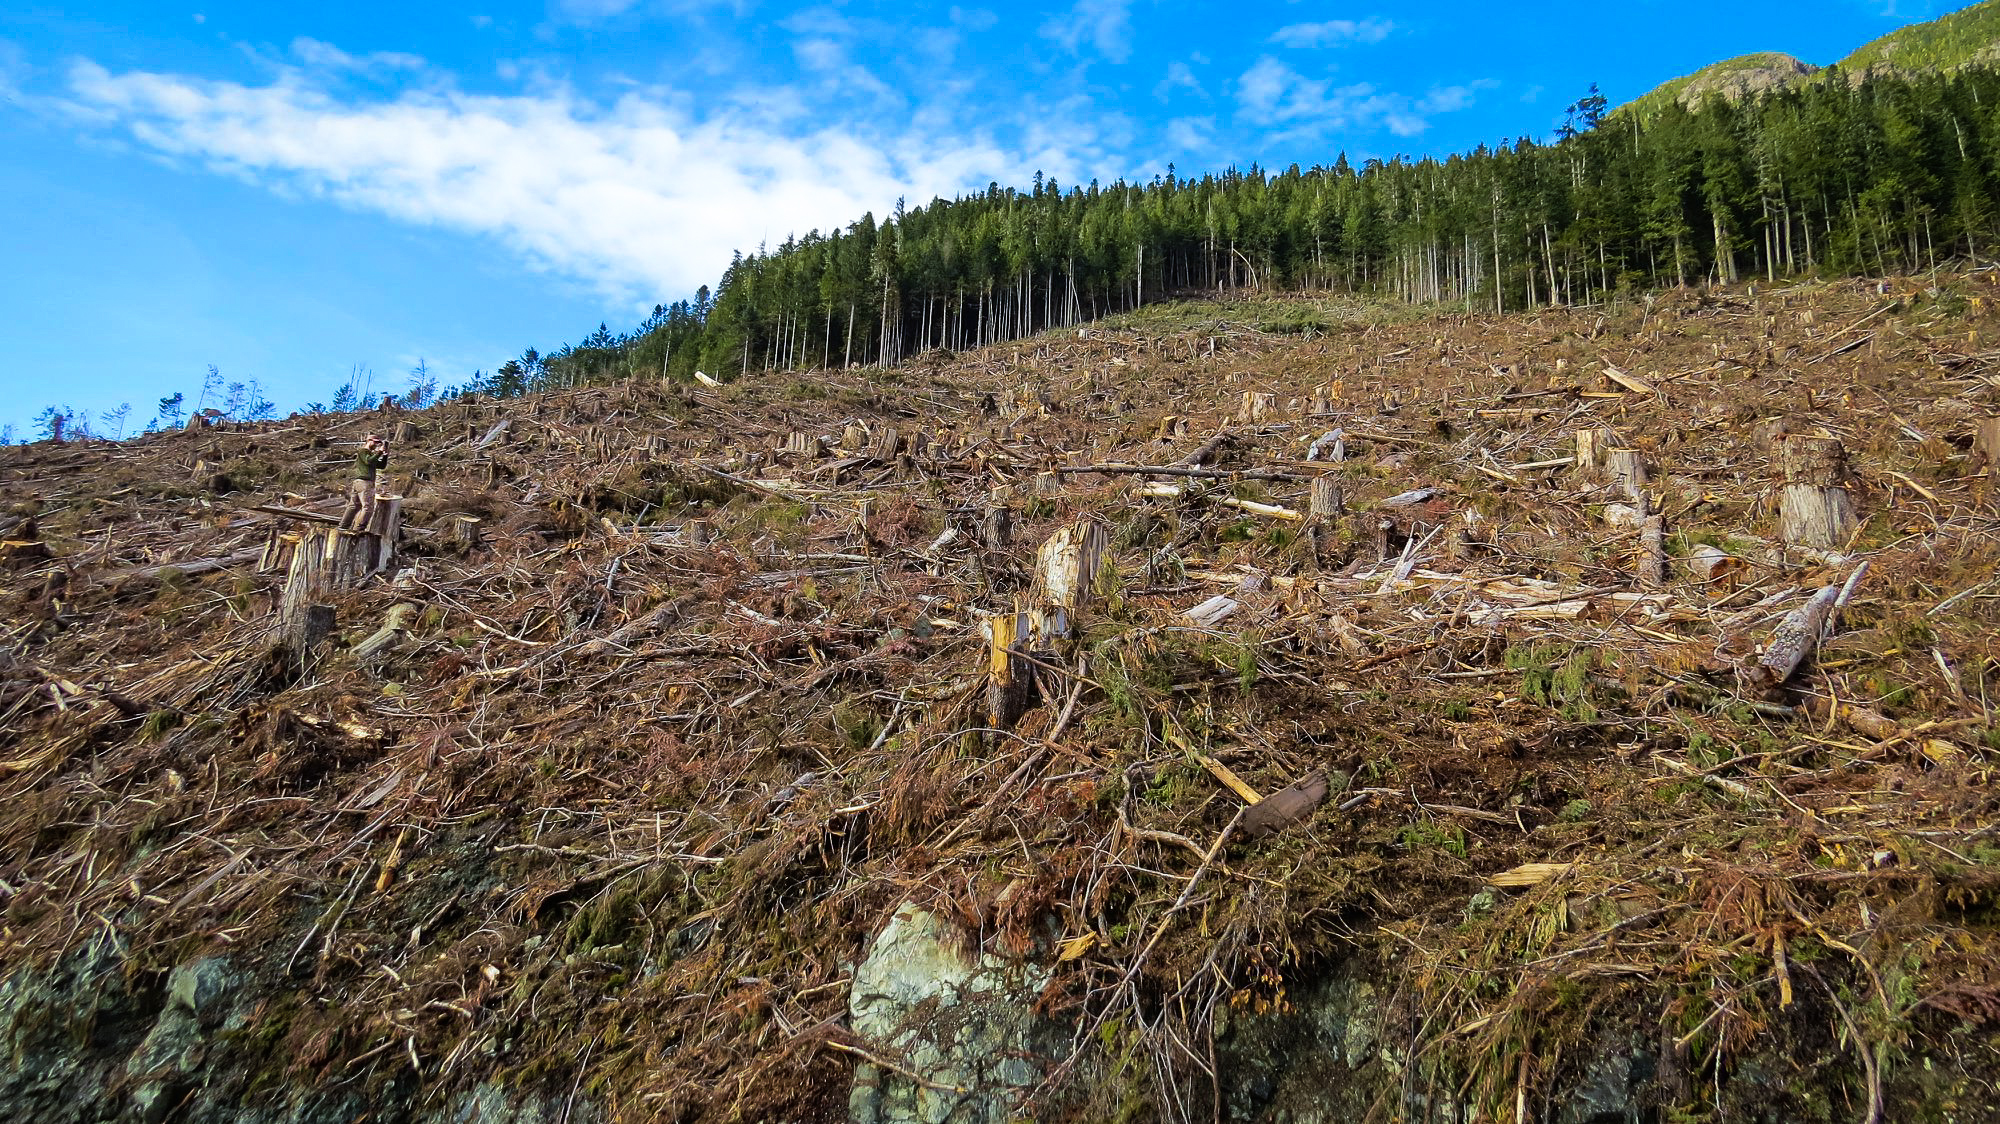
{"points": [[1964, 38]]}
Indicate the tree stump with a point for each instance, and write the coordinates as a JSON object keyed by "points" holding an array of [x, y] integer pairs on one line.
{"points": [[465, 536], [997, 529], [325, 561], [1010, 680], [1626, 471], [1328, 501], [1653, 552], [1986, 445], [1815, 509], [406, 432], [1593, 447], [1257, 405], [854, 438], [802, 445], [884, 446]]}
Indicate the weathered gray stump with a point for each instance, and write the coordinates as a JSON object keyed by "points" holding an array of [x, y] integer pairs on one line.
{"points": [[1815, 509], [997, 530], [406, 433], [1626, 471]]}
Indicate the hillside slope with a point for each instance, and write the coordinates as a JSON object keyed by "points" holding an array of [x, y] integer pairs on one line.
{"points": [[686, 784], [1967, 37]]}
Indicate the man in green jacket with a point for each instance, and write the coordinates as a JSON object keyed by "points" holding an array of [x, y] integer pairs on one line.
{"points": [[361, 494]]}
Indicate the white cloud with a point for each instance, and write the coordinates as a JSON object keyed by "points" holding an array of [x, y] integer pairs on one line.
{"points": [[1333, 33], [1179, 76], [973, 19], [587, 11], [1104, 24], [640, 198], [1190, 134], [1273, 95], [326, 56]]}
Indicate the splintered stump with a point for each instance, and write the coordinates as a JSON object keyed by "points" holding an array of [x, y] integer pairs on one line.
{"points": [[406, 433], [1020, 641], [324, 561], [1593, 449], [1257, 406], [1815, 509]]}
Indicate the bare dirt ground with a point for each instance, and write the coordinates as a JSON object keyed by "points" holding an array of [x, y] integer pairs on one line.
{"points": [[661, 739]]}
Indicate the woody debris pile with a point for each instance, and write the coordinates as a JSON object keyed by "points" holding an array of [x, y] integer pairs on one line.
{"points": [[1575, 716]]}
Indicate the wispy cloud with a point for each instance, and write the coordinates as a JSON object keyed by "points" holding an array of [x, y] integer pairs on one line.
{"points": [[1190, 134], [1274, 96], [1179, 77], [640, 198], [1332, 33], [1103, 24], [326, 56]]}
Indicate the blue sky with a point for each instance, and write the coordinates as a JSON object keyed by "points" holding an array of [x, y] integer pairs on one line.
{"points": [[289, 192]]}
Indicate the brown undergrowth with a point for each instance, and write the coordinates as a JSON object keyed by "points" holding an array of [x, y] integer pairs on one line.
{"points": [[619, 814]]}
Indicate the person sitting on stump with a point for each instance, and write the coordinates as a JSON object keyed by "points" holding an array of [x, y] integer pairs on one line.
{"points": [[361, 494]]}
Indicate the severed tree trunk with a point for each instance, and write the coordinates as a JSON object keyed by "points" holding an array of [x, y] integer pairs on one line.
{"points": [[997, 530], [1815, 509], [1593, 446], [1986, 444], [1327, 500], [1796, 637], [1653, 552], [304, 620], [406, 433], [1626, 471]]}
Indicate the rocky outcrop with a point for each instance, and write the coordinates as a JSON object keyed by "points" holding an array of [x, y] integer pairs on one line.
{"points": [[1741, 78], [960, 1019], [81, 1042]]}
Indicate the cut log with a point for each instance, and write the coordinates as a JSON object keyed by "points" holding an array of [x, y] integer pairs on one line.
{"points": [[1796, 637], [393, 629], [1213, 611], [1283, 808], [1716, 567], [1815, 509]]}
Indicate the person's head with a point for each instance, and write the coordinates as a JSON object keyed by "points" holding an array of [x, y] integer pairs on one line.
{"points": [[374, 440]]}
